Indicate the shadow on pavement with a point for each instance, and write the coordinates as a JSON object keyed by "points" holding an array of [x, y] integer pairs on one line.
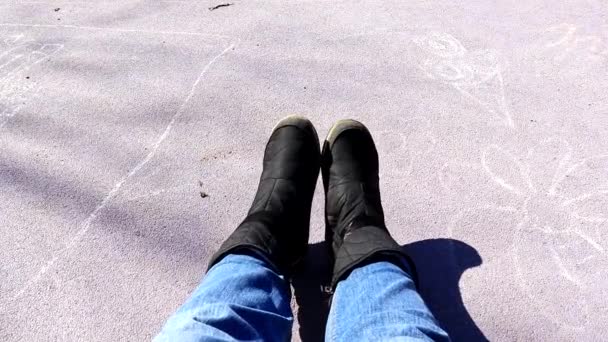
{"points": [[313, 303], [440, 264]]}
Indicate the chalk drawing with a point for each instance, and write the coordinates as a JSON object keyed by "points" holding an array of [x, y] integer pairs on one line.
{"points": [[567, 45], [475, 74], [405, 144], [17, 58], [562, 212], [85, 225], [115, 29], [131, 198]]}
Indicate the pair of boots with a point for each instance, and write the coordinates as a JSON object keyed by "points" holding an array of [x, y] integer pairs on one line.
{"points": [[277, 224]]}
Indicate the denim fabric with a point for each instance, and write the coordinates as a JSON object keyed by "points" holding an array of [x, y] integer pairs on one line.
{"points": [[240, 298], [243, 298], [379, 302]]}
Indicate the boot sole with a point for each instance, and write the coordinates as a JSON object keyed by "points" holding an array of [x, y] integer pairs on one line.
{"points": [[300, 122]]}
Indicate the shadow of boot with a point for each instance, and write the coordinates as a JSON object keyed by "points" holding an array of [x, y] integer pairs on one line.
{"points": [[440, 264], [312, 300]]}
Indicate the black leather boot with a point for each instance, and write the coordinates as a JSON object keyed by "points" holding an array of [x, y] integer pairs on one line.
{"points": [[278, 222], [354, 220]]}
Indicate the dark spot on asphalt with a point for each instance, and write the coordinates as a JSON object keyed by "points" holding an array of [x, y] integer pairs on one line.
{"points": [[27, 77], [220, 6], [137, 233], [57, 9], [217, 155], [204, 194]]}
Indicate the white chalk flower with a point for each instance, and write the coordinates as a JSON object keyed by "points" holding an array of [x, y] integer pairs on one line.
{"points": [[541, 222]]}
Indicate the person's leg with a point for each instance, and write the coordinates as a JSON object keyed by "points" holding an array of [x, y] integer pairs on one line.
{"points": [[242, 297], [379, 301], [373, 279], [245, 295]]}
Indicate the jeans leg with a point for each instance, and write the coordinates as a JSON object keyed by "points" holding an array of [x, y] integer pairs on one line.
{"points": [[379, 302], [241, 298]]}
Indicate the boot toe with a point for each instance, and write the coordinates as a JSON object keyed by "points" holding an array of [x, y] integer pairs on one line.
{"points": [[299, 122], [342, 126]]}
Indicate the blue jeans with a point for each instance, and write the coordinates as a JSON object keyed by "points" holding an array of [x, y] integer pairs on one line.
{"points": [[243, 298]]}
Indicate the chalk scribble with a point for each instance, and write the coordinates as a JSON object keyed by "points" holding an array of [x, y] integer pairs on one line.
{"points": [[567, 44], [17, 58], [405, 144]]}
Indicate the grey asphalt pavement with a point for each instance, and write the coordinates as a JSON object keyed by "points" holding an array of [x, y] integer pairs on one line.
{"points": [[131, 137]]}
